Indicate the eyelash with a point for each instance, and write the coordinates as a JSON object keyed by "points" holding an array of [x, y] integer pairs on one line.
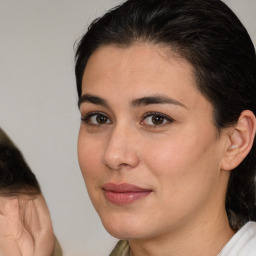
{"points": [[167, 119], [87, 119]]}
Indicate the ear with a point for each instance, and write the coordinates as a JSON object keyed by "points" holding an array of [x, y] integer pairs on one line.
{"points": [[240, 140]]}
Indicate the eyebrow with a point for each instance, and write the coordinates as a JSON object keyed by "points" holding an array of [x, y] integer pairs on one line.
{"points": [[144, 101], [92, 99], [155, 99]]}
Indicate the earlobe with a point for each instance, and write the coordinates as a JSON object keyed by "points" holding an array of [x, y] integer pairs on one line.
{"points": [[240, 140]]}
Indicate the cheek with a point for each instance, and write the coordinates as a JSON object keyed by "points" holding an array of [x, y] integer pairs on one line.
{"points": [[88, 156], [184, 161], [90, 165], [165, 157], [185, 172]]}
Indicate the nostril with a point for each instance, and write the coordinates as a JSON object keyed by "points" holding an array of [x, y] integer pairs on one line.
{"points": [[117, 162]]}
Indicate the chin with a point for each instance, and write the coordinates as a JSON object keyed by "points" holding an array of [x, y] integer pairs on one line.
{"points": [[125, 234], [124, 229]]}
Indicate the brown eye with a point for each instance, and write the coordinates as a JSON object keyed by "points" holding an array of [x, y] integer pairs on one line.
{"points": [[156, 119], [96, 119], [101, 119]]}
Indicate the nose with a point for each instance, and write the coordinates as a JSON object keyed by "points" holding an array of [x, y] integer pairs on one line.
{"points": [[121, 150]]}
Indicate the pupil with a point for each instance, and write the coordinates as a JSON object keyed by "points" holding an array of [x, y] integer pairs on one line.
{"points": [[101, 119], [157, 119]]}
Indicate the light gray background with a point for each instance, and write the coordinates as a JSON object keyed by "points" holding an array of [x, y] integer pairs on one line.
{"points": [[38, 105]]}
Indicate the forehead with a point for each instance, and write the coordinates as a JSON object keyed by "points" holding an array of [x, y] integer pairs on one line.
{"points": [[137, 58], [138, 70]]}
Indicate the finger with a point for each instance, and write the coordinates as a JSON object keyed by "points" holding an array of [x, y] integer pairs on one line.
{"points": [[30, 217], [41, 228]]}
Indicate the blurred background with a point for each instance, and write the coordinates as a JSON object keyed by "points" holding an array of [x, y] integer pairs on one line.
{"points": [[38, 105]]}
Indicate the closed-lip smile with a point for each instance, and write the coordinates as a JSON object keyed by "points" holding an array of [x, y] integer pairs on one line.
{"points": [[124, 193]]}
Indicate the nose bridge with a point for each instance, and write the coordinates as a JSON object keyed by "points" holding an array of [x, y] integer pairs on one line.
{"points": [[121, 149]]}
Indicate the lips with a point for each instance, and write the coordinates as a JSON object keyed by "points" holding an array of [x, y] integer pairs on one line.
{"points": [[124, 193]]}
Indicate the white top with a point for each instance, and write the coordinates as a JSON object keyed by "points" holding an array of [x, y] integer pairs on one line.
{"points": [[243, 243]]}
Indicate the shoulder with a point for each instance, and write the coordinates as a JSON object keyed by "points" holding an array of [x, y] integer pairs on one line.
{"points": [[243, 243], [121, 249], [57, 249]]}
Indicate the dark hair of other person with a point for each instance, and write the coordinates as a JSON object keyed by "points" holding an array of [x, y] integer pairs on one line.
{"points": [[211, 38], [16, 178]]}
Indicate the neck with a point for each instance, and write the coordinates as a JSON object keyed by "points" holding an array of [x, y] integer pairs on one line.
{"points": [[203, 237]]}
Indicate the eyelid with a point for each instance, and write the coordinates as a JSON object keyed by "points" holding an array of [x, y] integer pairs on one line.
{"points": [[151, 113], [88, 115], [86, 118]]}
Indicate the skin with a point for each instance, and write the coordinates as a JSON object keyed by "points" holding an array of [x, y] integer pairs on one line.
{"points": [[25, 226], [180, 160]]}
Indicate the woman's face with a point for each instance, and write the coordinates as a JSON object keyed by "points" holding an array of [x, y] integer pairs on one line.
{"points": [[149, 152]]}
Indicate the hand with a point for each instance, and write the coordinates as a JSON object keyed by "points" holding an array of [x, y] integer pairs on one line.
{"points": [[25, 227]]}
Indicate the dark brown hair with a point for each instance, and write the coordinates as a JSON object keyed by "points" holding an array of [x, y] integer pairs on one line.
{"points": [[211, 38], [16, 178]]}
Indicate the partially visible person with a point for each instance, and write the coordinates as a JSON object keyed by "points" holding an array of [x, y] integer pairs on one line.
{"points": [[167, 96], [25, 224]]}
